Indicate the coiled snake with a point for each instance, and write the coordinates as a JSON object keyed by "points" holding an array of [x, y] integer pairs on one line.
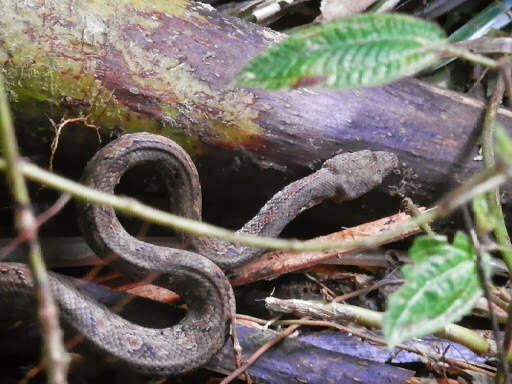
{"points": [[196, 276]]}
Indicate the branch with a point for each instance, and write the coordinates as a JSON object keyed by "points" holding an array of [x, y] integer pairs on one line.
{"points": [[273, 264], [55, 356], [346, 312], [479, 183]]}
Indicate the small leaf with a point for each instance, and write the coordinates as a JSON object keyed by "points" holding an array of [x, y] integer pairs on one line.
{"points": [[441, 286], [365, 50]]}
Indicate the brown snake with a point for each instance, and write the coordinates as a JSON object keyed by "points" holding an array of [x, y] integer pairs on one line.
{"points": [[196, 276]]}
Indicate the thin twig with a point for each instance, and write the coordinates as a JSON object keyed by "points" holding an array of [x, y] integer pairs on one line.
{"points": [[55, 357], [133, 207], [237, 351], [493, 197], [354, 332], [276, 263], [58, 131], [481, 182], [40, 220], [462, 53], [367, 317], [328, 292], [500, 229], [412, 210], [364, 291], [484, 281], [253, 319], [261, 350]]}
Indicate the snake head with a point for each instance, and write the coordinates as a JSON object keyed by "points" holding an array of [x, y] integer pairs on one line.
{"points": [[354, 174]]}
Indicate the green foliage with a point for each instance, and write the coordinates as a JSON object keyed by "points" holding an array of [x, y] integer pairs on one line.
{"points": [[503, 144], [485, 220], [366, 50], [441, 286]]}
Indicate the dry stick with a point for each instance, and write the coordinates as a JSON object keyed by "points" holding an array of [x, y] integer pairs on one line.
{"points": [[40, 220], [324, 288], [58, 131], [478, 80], [353, 332], [54, 355], [367, 317], [412, 210], [237, 351], [133, 207], [366, 290], [477, 184], [261, 350], [273, 264], [253, 319]]}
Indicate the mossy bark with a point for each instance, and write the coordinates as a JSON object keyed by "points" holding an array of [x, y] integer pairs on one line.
{"points": [[166, 66]]}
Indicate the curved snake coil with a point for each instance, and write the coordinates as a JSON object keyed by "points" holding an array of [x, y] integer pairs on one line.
{"points": [[196, 276]]}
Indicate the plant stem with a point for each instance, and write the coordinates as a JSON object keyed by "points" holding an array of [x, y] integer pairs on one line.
{"points": [[54, 356], [493, 197], [502, 366], [260, 351], [412, 210], [369, 318], [480, 183], [132, 207], [462, 53]]}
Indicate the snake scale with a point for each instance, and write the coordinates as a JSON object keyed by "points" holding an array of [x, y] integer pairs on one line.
{"points": [[197, 276]]}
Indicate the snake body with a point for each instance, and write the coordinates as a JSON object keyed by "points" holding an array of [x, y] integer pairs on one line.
{"points": [[197, 276]]}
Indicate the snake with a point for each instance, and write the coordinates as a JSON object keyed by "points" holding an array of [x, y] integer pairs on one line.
{"points": [[198, 272]]}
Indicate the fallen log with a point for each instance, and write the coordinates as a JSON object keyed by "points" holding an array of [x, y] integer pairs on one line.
{"points": [[289, 362], [318, 357], [293, 360], [165, 67]]}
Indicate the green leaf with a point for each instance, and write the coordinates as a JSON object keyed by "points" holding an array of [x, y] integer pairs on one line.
{"points": [[485, 220], [441, 286], [503, 143], [366, 50]]}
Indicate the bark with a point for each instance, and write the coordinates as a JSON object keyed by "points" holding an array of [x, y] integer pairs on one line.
{"points": [[319, 357], [166, 67], [294, 360]]}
